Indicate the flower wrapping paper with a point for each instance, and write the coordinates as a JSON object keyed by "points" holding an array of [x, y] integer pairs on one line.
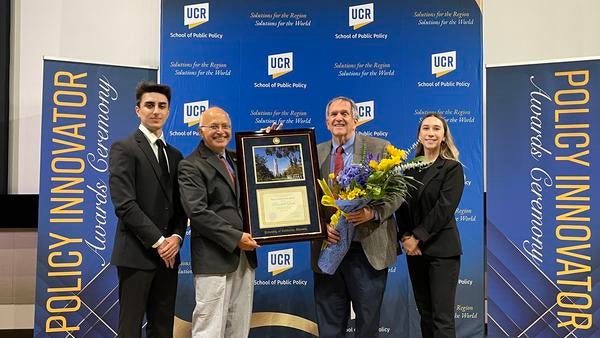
{"points": [[333, 254]]}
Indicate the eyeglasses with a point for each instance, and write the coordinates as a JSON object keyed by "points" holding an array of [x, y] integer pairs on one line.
{"points": [[216, 127]]}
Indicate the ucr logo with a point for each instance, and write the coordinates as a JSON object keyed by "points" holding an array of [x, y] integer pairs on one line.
{"points": [[192, 111], [280, 261], [366, 111], [361, 15], [280, 64], [195, 15], [443, 63]]}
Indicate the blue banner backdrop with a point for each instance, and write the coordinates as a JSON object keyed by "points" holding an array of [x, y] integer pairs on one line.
{"points": [[85, 108], [265, 61], [542, 266]]}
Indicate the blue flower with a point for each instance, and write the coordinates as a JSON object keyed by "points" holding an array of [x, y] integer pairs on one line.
{"points": [[353, 174]]}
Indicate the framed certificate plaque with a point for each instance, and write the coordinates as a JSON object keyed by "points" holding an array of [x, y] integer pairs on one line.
{"points": [[278, 174]]}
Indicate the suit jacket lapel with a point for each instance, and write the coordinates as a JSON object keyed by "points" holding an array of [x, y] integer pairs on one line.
{"points": [[214, 161], [172, 155], [359, 144], [432, 172], [144, 145], [325, 159], [232, 160]]}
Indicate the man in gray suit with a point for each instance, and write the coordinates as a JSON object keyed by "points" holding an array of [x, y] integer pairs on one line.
{"points": [[223, 255], [361, 277]]}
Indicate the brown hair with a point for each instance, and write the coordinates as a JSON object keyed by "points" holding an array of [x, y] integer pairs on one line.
{"points": [[448, 149]]}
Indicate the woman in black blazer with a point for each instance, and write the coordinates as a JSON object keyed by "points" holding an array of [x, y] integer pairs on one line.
{"points": [[428, 228]]}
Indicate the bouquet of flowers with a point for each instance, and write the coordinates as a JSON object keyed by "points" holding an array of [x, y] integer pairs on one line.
{"points": [[355, 187]]}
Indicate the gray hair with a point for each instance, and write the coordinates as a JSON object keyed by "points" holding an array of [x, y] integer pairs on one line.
{"points": [[345, 99]]}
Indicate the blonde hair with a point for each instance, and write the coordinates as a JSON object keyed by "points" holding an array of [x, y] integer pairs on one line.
{"points": [[448, 149]]}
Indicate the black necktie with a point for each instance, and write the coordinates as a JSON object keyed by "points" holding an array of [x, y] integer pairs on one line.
{"points": [[162, 161]]}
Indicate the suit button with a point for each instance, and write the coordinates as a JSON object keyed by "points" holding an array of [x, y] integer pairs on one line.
{"points": [[167, 208], [165, 228]]}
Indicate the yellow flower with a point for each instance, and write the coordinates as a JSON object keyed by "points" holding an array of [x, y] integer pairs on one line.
{"points": [[355, 193], [395, 152], [331, 176], [373, 164], [385, 164]]}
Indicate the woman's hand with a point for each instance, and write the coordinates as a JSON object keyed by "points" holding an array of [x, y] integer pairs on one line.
{"points": [[411, 246]]}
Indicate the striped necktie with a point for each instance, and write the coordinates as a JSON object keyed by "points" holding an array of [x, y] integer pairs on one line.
{"points": [[227, 168]]}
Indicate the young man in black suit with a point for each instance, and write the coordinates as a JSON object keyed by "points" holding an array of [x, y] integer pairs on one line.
{"points": [[152, 223]]}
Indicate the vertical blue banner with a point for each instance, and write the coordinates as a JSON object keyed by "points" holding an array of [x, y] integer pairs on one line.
{"points": [[85, 108], [281, 61], [542, 265]]}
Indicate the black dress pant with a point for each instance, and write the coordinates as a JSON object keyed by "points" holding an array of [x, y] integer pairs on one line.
{"points": [[434, 282], [150, 292]]}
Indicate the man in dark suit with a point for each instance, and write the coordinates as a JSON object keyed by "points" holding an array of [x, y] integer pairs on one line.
{"points": [[362, 276], [151, 227], [223, 255]]}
